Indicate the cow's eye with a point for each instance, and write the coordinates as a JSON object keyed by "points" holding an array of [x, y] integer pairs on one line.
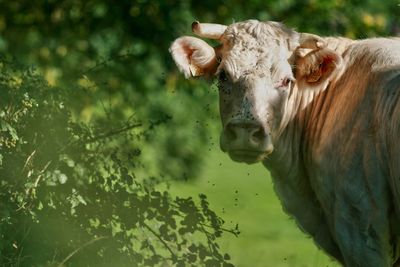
{"points": [[222, 76], [285, 82]]}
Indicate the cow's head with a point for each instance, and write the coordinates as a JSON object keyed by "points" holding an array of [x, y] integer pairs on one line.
{"points": [[261, 68]]}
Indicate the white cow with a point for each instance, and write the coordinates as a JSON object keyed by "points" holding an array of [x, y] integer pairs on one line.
{"points": [[323, 115]]}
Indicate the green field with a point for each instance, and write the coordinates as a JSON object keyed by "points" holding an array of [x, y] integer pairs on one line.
{"points": [[244, 194]]}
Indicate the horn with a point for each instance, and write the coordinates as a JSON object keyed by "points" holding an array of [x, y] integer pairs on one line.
{"points": [[311, 41], [208, 30]]}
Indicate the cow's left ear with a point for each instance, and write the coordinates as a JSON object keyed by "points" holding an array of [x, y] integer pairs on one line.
{"points": [[317, 66], [193, 56]]}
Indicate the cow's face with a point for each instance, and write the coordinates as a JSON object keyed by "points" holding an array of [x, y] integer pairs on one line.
{"points": [[254, 79], [259, 66]]}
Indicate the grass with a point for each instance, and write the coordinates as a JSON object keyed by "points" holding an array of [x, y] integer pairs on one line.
{"points": [[244, 194]]}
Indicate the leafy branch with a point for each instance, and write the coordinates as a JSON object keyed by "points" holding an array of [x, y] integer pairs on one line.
{"points": [[62, 264]]}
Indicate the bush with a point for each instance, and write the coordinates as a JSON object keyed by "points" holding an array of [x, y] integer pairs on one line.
{"points": [[77, 194]]}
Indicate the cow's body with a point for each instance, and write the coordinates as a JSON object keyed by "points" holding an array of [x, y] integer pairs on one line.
{"points": [[336, 167], [330, 139]]}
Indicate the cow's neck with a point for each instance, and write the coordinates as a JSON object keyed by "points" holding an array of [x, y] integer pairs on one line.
{"points": [[299, 133], [290, 164], [303, 110]]}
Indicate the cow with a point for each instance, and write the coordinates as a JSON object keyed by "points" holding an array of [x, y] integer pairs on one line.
{"points": [[323, 115]]}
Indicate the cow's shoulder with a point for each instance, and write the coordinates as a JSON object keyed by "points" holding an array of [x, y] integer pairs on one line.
{"points": [[378, 53], [338, 44]]}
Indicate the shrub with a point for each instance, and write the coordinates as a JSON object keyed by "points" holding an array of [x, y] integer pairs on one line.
{"points": [[76, 194]]}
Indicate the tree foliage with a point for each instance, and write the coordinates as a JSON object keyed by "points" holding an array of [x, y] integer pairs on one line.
{"points": [[72, 193]]}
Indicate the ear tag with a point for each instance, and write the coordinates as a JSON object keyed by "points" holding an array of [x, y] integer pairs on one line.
{"points": [[195, 70]]}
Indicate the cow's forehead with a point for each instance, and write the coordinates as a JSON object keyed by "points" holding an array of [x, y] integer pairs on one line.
{"points": [[251, 46], [258, 30]]}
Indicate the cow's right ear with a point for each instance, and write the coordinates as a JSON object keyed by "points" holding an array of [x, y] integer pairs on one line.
{"points": [[314, 63], [316, 67], [193, 56]]}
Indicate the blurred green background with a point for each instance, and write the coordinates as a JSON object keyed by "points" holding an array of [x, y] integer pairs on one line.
{"points": [[110, 59]]}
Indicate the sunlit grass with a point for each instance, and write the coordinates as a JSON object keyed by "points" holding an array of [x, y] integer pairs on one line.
{"points": [[244, 194]]}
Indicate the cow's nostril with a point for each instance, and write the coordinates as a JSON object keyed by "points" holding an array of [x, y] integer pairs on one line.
{"points": [[258, 134], [230, 132]]}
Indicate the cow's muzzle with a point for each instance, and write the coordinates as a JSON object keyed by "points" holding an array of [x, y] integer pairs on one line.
{"points": [[246, 141]]}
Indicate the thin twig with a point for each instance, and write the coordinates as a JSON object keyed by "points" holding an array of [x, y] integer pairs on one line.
{"points": [[100, 136], [209, 241], [105, 62], [40, 174], [159, 238], [231, 231], [28, 160], [112, 133], [80, 248]]}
